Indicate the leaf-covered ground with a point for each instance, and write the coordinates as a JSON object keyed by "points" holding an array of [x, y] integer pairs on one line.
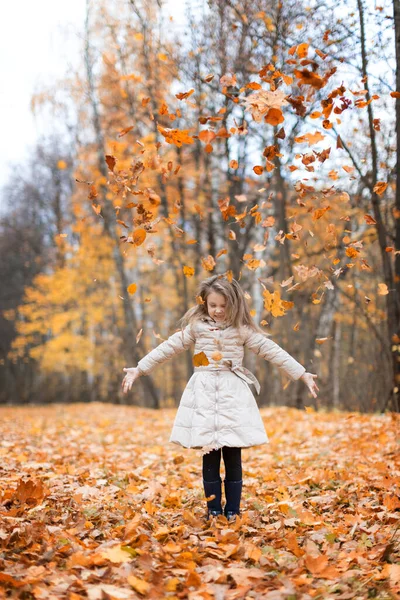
{"points": [[94, 502]]}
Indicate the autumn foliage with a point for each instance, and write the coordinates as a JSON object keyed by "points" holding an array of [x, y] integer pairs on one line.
{"points": [[92, 506], [243, 151]]}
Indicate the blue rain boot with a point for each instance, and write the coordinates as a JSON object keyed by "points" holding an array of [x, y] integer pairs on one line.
{"points": [[213, 488], [233, 494]]}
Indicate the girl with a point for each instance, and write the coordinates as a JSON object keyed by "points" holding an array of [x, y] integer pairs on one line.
{"points": [[217, 410]]}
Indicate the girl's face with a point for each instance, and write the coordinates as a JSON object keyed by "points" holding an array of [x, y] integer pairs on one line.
{"points": [[216, 306]]}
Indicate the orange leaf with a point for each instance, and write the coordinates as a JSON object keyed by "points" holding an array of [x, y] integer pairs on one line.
{"points": [[200, 360], [380, 187], [319, 212], [125, 131], [207, 136], [258, 170], [188, 271], [274, 116], [132, 288], [302, 50], [369, 220], [138, 237]]}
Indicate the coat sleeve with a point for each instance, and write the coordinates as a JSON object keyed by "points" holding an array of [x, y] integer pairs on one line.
{"points": [[174, 345], [269, 350]]}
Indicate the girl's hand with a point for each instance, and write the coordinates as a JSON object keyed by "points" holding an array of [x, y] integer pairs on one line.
{"points": [[308, 379], [132, 373]]}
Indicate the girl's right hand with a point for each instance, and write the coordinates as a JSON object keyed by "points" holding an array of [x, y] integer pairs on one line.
{"points": [[132, 373]]}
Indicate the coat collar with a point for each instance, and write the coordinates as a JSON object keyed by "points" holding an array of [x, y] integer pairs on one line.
{"points": [[207, 319]]}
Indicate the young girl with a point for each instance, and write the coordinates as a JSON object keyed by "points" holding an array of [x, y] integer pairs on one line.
{"points": [[217, 410]]}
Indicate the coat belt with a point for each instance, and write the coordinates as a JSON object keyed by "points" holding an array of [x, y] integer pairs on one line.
{"points": [[238, 370]]}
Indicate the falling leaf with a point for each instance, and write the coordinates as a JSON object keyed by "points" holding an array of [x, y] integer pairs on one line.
{"points": [[139, 335], [260, 103], [176, 136], [228, 80], [61, 165], [322, 340], [138, 237], [124, 132], [258, 170], [200, 360], [351, 252], [369, 220], [208, 263], [216, 356], [319, 212], [382, 289], [311, 78], [274, 304], [274, 117], [188, 271], [184, 95], [302, 50], [111, 162], [311, 138], [132, 288], [380, 187]]}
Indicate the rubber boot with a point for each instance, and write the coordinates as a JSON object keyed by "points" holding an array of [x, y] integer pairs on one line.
{"points": [[213, 488], [233, 494]]}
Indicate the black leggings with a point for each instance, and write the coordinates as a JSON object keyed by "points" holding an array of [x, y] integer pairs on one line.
{"points": [[232, 460]]}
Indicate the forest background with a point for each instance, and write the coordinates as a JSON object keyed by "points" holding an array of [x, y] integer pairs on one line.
{"points": [[262, 144]]}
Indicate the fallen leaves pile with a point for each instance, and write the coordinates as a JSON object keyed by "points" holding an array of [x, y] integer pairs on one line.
{"points": [[95, 503]]}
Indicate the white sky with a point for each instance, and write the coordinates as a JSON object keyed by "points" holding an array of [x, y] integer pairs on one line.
{"points": [[39, 43]]}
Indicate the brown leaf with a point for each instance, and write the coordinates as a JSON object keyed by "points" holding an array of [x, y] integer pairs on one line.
{"points": [[111, 162]]}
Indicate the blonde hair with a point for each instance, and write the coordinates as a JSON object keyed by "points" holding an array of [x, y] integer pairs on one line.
{"points": [[237, 311]]}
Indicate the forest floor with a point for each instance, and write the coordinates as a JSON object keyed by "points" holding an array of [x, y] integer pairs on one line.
{"points": [[96, 503]]}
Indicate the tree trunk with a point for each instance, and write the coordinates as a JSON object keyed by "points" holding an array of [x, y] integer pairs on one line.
{"points": [[392, 300], [128, 333]]}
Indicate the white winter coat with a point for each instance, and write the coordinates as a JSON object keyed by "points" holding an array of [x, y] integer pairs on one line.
{"points": [[217, 407]]}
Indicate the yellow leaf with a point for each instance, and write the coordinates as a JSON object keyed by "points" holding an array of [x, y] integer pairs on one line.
{"points": [[351, 252], [382, 289], [188, 271], [302, 50], [115, 554], [132, 288], [208, 263], [139, 585], [61, 165]]}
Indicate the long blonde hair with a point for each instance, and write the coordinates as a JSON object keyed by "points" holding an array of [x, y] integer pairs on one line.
{"points": [[237, 311]]}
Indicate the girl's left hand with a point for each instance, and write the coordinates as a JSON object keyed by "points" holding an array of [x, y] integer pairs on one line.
{"points": [[308, 379]]}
